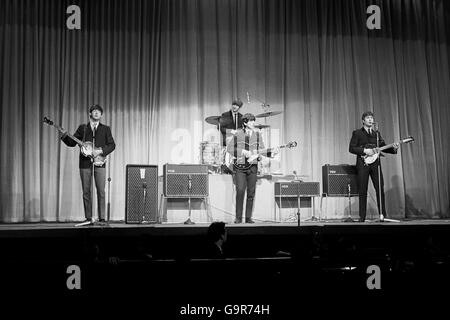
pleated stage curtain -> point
(159, 68)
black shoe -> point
(237, 220)
(361, 220)
(249, 220)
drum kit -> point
(213, 154)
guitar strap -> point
(235, 147)
(84, 132)
(247, 145)
(257, 141)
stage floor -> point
(303, 224)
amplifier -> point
(294, 188)
(337, 178)
(186, 180)
(141, 191)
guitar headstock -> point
(407, 140)
(48, 121)
(291, 144)
(51, 123)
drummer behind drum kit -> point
(213, 154)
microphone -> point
(375, 126)
(248, 98)
(189, 183)
(295, 176)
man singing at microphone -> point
(364, 142)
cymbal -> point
(261, 126)
(268, 114)
(213, 120)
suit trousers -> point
(245, 180)
(363, 182)
(86, 184)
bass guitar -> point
(86, 147)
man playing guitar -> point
(241, 147)
(104, 145)
(363, 143)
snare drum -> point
(209, 153)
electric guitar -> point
(371, 159)
(86, 147)
(233, 162)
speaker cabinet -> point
(186, 180)
(141, 194)
(292, 189)
(336, 180)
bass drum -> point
(210, 154)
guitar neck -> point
(267, 149)
(389, 146)
(78, 141)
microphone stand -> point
(298, 202)
(189, 221)
(349, 218)
(108, 213)
(297, 182)
(380, 207)
(144, 187)
(265, 106)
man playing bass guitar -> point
(104, 145)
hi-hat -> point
(268, 114)
(261, 126)
(213, 120)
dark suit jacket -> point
(227, 122)
(103, 139)
(255, 143)
(361, 139)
